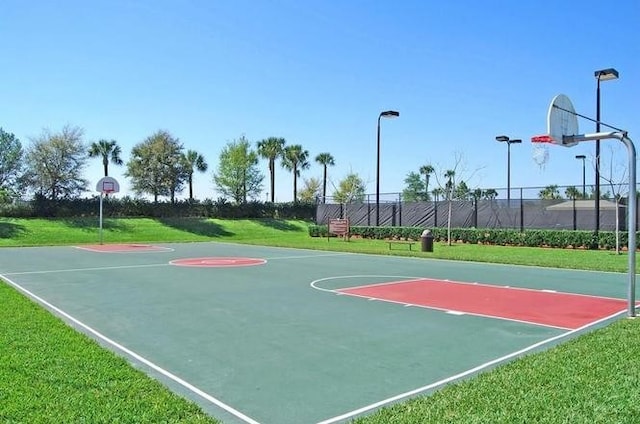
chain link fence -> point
(525, 209)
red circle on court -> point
(218, 262)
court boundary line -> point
(227, 408)
(433, 308)
(463, 374)
(100, 268)
(155, 249)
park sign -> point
(339, 227)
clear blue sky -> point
(318, 73)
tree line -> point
(52, 167)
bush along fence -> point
(565, 239)
(132, 207)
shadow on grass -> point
(278, 224)
(199, 226)
(9, 230)
(93, 223)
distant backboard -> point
(107, 185)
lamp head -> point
(502, 138)
(516, 141)
(389, 114)
(606, 74)
(581, 157)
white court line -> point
(102, 268)
(107, 268)
(153, 249)
(475, 283)
(449, 311)
(308, 256)
(460, 375)
(136, 356)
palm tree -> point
(550, 192)
(294, 159)
(449, 185)
(573, 193)
(271, 149)
(426, 170)
(193, 161)
(437, 192)
(325, 159)
(108, 150)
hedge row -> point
(530, 238)
(131, 207)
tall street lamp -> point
(505, 139)
(584, 191)
(385, 114)
(601, 75)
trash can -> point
(427, 241)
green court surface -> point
(275, 341)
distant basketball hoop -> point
(106, 186)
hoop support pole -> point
(631, 209)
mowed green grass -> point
(283, 233)
(49, 373)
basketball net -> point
(541, 150)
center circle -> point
(218, 262)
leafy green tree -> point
(294, 159)
(271, 149)
(11, 163)
(156, 166)
(350, 189)
(238, 176)
(108, 150)
(55, 164)
(193, 161)
(414, 188)
(325, 159)
(462, 191)
(311, 190)
(426, 170)
(550, 192)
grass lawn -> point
(49, 373)
(283, 233)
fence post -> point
(475, 211)
(521, 212)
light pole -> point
(601, 75)
(584, 191)
(385, 114)
(505, 139)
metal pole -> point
(508, 173)
(584, 189)
(631, 210)
(101, 195)
(631, 248)
(597, 193)
(378, 176)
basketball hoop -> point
(540, 145)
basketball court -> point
(282, 336)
